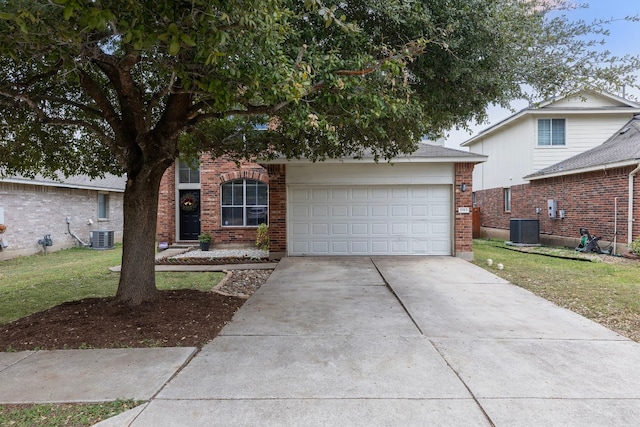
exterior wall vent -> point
(102, 239)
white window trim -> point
(506, 195)
(550, 147)
(106, 198)
(244, 205)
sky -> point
(624, 39)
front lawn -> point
(35, 283)
(606, 290)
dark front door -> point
(189, 204)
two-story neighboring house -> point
(532, 140)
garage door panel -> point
(358, 194)
(300, 211)
(400, 193)
(359, 247)
(399, 248)
(360, 211)
(419, 210)
(320, 194)
(419, 193)
(379, 210)
(379, 248)
(419, 228)
(399, 229)
(339, 194)
(399, 210)
(370, 220)
(439, 211)
(320, 230)
(379, 193)
(320, 211)
(379, 229)
(339, 210)
(320, 247)
(301, 195)
(360, 229)
(340, 229)
(301, 229)
(340, 248)
(300, 247)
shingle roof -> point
(108, 183)
(426, 152)
(622, 147)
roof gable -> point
(585, 101)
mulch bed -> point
(187, 318)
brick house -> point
(514, 182)
(414, 205)
(33, 208)
(597, 189)
(218, 197)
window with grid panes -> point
(244, 203)
(551, 132)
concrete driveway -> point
(401, 342)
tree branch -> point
(64, 101)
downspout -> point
(632, 174)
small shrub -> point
(204, 238)
(262, 238)
(635, 246)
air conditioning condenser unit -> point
(102, 239)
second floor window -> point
(187, 175)
(551, 132)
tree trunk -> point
(137, 277)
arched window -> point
(244, 203)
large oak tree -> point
(127, 86)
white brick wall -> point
(31, 211)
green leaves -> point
(331, 77)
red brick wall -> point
(463, 221)
(277, 208)
(491, 203)
(165, 231)
(588, 200)
(213, 173)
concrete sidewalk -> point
(357, 341)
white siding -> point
(587, 100)
(583, 132)
(512, 147)
(509, 156)
(369, 174)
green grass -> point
(35, 283)
(56, 415)
(606, 291)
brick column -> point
(166, 225)
(463, 221)
(277, 210)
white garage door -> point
(369, 220)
